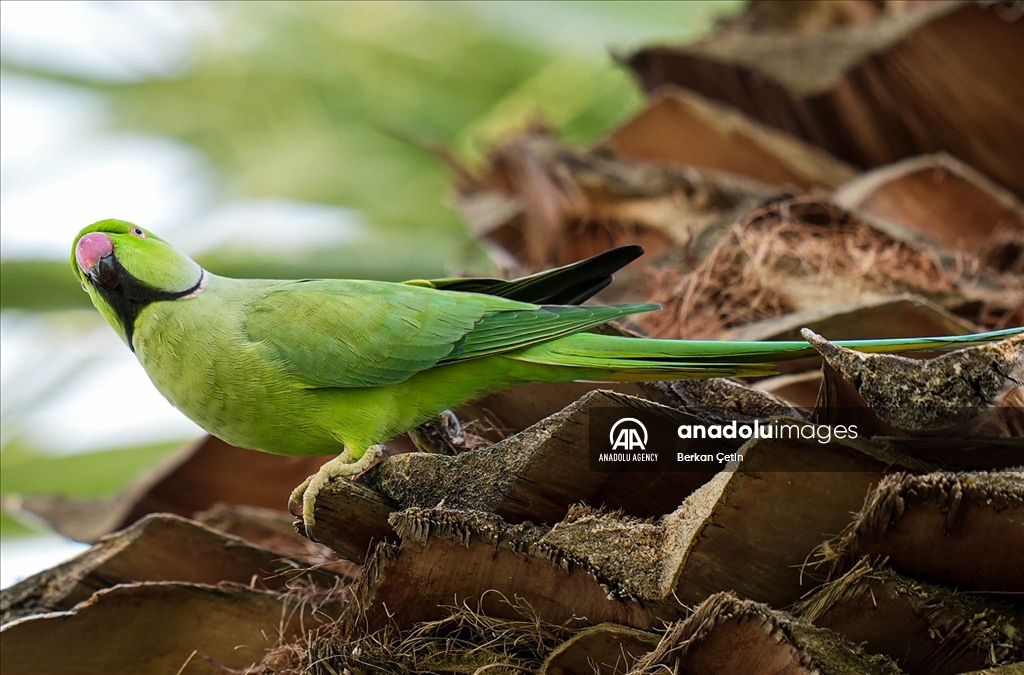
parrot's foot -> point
(303, 498)
(442, 435)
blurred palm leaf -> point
(39, 285)
(28, 471)
(342, 103)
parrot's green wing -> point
(568, 285)
(365, 333)
(507, 331)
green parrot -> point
(325, 366)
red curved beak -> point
(95, 256)
(92, 248)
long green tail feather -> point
(638, 358)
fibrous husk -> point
(470, 557)
(535, 475)
(607, 566)
(718, 400)
(605, 649)
(682, 128)
(155, 627)
(275, 531)
(512, 410)
(160, 547)
(351, 518)
(937, 78)
(976, 226)
(729, 635)
(464, 640)
(728, 539)
(805, 254)
(965, 530)
(550, 205)
(963, 410)
(927, 629)
(791, 255)
(969, 393)
(942, 200)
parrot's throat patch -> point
(128, 296)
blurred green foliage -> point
(346, 104)
(39, 285)
(26, 471)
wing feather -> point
(360, 333)
(334, 333)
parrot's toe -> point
(295, 498)
(302, 501)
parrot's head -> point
(124, 268)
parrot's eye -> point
(137, 232)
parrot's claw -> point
(303, 498)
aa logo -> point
(628, 434)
